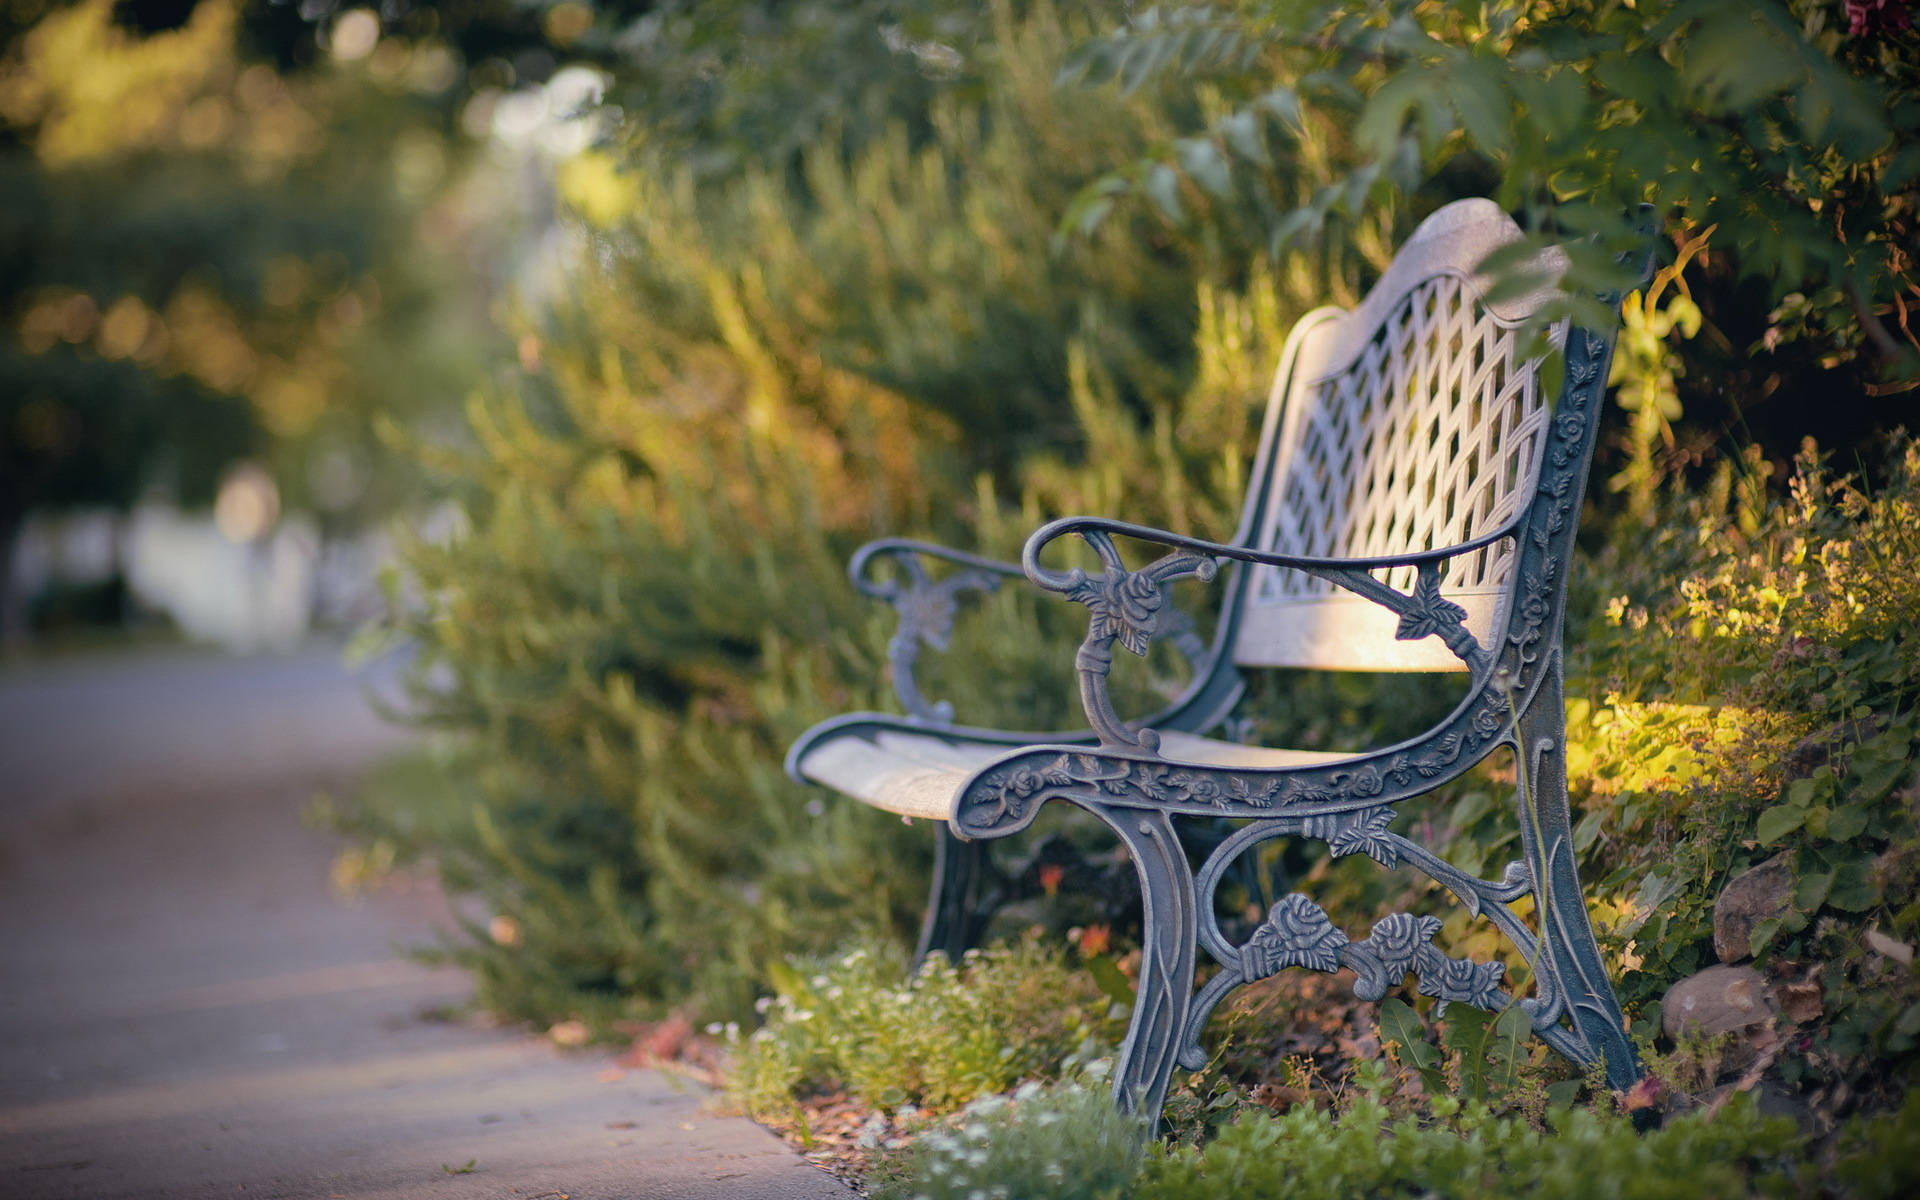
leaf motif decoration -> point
(1431, 612)
(1368, 836)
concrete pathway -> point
(187, 1009)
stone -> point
(1760, 892)
(1817, 750)
(1771, 1099)
(1718, 1001)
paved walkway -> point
(186, 1009)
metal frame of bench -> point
(1412, 507)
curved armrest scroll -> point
(925, 607)
(1126, 604)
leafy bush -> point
(1366, 1151)
(940, 1039)
(1753, 686)
(646, 600)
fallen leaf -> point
(1899, 952)
(1642, 1095)
(1800, 1003)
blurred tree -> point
(203, 257)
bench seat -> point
(923, 774)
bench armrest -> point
(925, 606)
(1126, 605)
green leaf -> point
(1205, 165)
(1399, 1024)
(1386, 112)
(1588, 830)
(1853, 887)
(1506, 1050)
(1777, 822)
(1816, 820)
(1561, 1095)
(1299, 224)
(1847, 822)
(1810, 892)
(1242, 133)
(1879, 776)
(1107, 977)
(1486, 109)
(1162, 186)
(1467, 1032)
(1284, 104)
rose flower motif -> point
(1397, 940)
(1462, 979)
(1534, 609)
(1296, 934)
(1024, 781)
(1204, 789)
(1486, 722)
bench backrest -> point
(1407, 423)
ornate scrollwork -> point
(1401, 945)
(1127, 607)
(1297, 933)
(1008, 795)
(926, 611)
(926, 608)
(1004, 797)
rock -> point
(1722, 1000)
(1756, 894)
(1771, 1099)
(1816, 751)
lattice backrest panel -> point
(1410, 423)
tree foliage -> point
(1777, 140)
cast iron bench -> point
(1412, 508)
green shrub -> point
(1070, 1142)
(1748, 691)
(1366, 1152)
(942, 1038)
(752, 374)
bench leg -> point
(1572, 957)
(1169, 940)
(957, 909)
